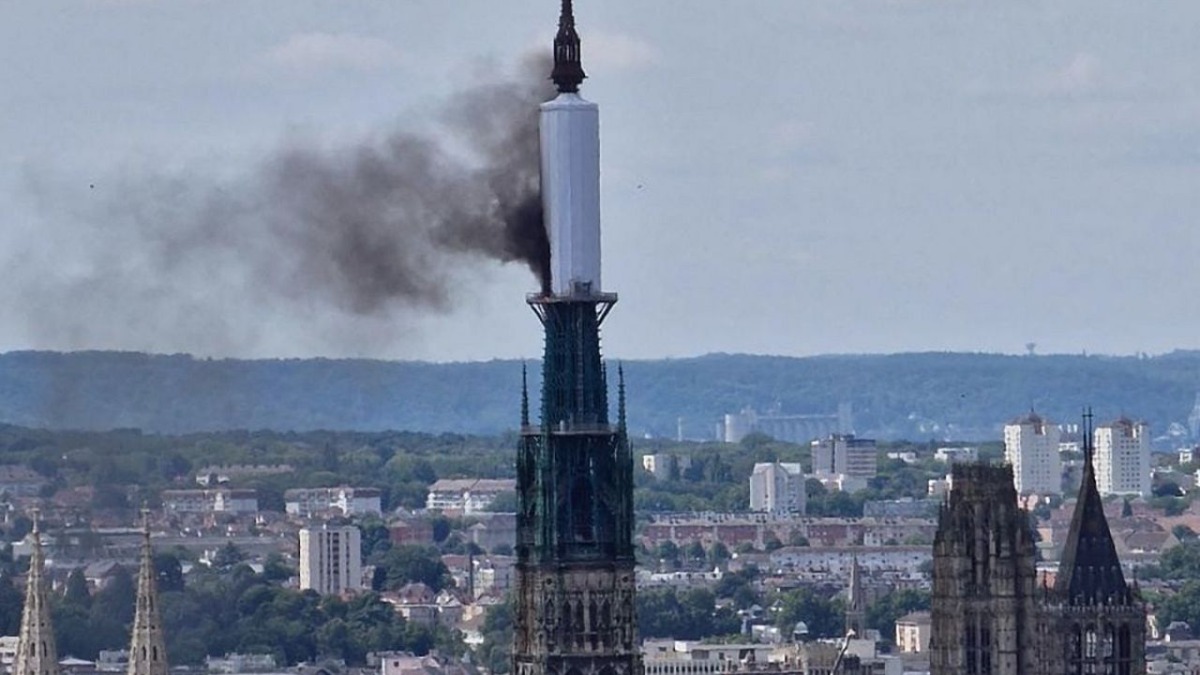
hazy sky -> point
(779, 176)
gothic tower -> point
(1093, 623)
(984, 609)
(575, 558)
(37, 653)
(856, 602)
(147, 649)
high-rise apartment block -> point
(778, 487)
(1123, 458)
(331, 559)
(1031, 448)
(845, 455)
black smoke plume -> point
(396, 223)
(384, 222)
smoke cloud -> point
(390, 225)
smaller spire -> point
(1088, 440)
(621, 396)
(37, 653)
(568, 65)
(524, 396)
(856, 607)
(147, 647)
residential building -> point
(665, 466)
(1123, 458)
(912, 633)
(1031, 448)
(956, 455)
(494, 530)
(331, 559)
(403, 531)
(18, 480)
(238, 664)
(219, 474)
(465, 496)
(777, 487)
(347, 501)
(220, 500)
(679, 657)
(845, 455)
(839, 562)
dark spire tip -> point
(568, 64)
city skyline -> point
(908, 176)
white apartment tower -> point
(843, 454)
(1123, 458)
(1031, 448)
(777, 487)
(331, 559)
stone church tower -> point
(989, 615)
(575, 587)
(1097, 621)
(147, 648)
(984, 610)
(37, 653)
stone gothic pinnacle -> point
(568, 64)
(37, 653)
(147, 648)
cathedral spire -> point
(568, 65)
(1089, 569)
(147, 648)
(37, 653)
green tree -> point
(116, 599)
(168, 572)
(376, 538)
(497, 638)
(882, 614)
(11, 604)
(76, 592)
(1183, 532)
(691, 615)
(822, 614)
(227, 557)
(667, 551)
(718, 553)
(410, 564)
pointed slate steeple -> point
(856, 602)
(147, 648)
(37, 653)
(1089, 572)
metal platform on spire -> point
(603, 301)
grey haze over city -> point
(778, 177)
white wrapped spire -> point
(570, 135)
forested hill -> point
(915, 396)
